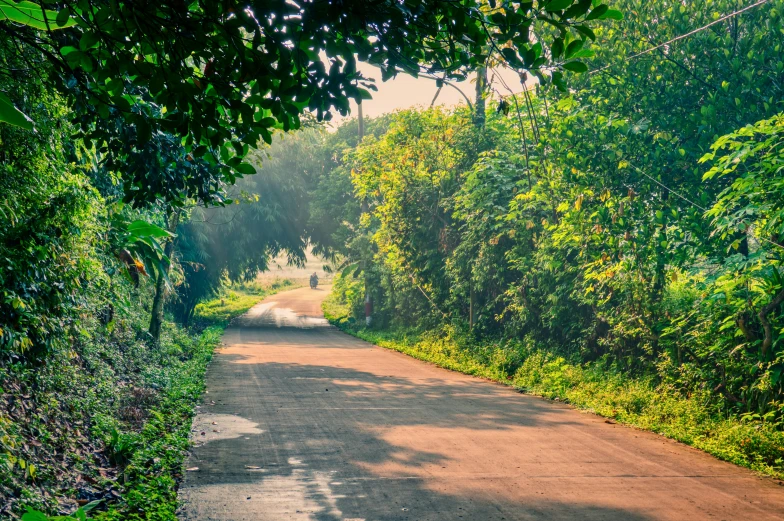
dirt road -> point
(302, 422)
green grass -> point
(236, 299)
(150, 458)
(596, 388)
(156, 463)
(157, 453)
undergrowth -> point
(595, 387)
(105, 433)
(154, 456)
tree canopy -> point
(221, 77)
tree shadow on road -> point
(339, 444)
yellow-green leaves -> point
(31, 15)
(10, 114)
(35, 16)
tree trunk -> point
(767, 327)
(361, 122)
(364, 208)
(156, 320)
(479, 107)
(471, 307)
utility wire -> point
(640, 171)
(655, 48)
(690, 33)
(668, 42)
(426, 295)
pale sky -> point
(405, 91)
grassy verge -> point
(155, 467)
(155, 455)
(596, 388)
(138, 432)
(236, 299)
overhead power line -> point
(664, 44)
(690, 33)
(655, 48)
(640, 171)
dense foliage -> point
(617, 241)
(121, 124)
(611, 224)
(92, 407)
(220, 77)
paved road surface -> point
(302, 422)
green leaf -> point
(246, 169)
(583, 53)
(62, 18)
(578, 9)
(557, 48)
(34, 515)
(13, 116)
(597, 12)
(585, 31)
(92, 504)
(364, 93)
(558, 5)
(88, 41)
(265, 135)
(612, 14)
(573, 48)
(31, 15)
(558, 81)
(578, 67)
(142, 229)
(346, 269)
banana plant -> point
(139, 247)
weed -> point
(121, 446)
(79, 515)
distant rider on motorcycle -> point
(313, 281)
